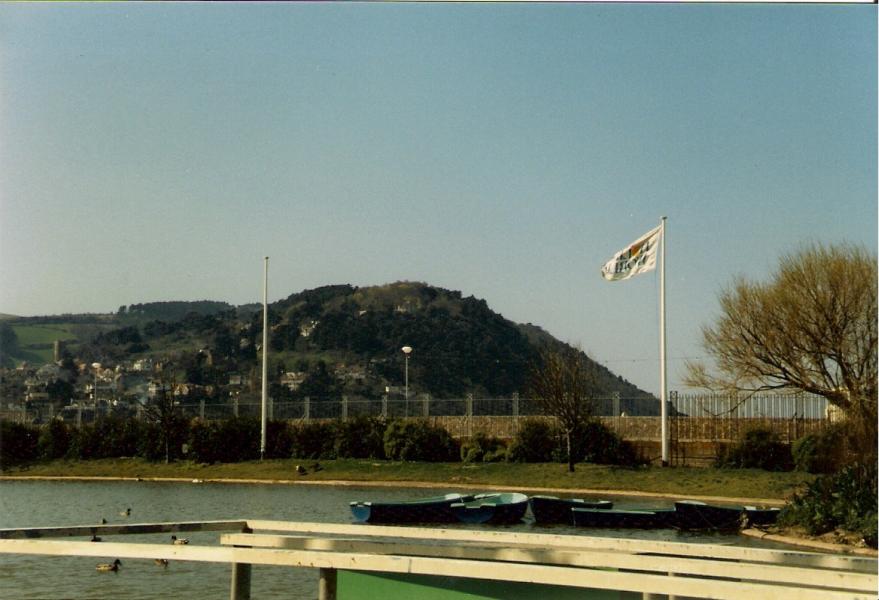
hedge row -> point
(235, 440)
(825, 451)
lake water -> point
(49, 503)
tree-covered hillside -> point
(334, 340)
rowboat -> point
(692, 514)
(550, 509)
(426, 510)
(497, 509)
(624, 519)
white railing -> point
(578, 561)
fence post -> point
(326, 586)
(78, 416)
(797, 414)
(425, 404)
(201, 409)
(270, 408)
(241, 575)
(385, 406)
(344, 408)
(515, 411)
(306, 408)
(468, 403)
(235, 406)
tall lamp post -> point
(265, 362)
(95, 366)
(407, 350)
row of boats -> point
(509, 508)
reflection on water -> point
(50, 503)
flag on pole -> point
(639, 257)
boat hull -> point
(494, 509)
(428, 510)
(694, 515)
(624, 519)
(551, 510)
(761, 516)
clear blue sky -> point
(158, 151)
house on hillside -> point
(293, 379)
(350, 373)
(306, 329)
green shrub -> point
(360, 437)
(84, 443)
(18, 444)
(151, 444)
(535, 441)
(759, 448)
(279, 439)
(111, 437)
(597, 443)
(202, 438)
(847, 500)
(482, 447)
(238, 439)
(54, 440)
(501, 454)
(820, 452)
(539, 441)
(314, 440)
(418, 440)
(227, 441)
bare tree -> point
(165, 413)
(812, 327)
(564, 385)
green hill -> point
(342, 338)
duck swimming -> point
(113, 566)
(125, 513)
(162, 562)
(179, 541)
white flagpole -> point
(663, 383)
(265, 353)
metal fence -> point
(775, 406)
(681, 407)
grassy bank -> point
(736, 483)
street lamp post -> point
(95, 366)
(265, 362)
(406, 350)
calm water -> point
(45, 504)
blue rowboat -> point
(550, 509)
(497, 509)
(624, 519)
(436, 509)
(692, 514)
(761, 516)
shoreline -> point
(802, 542)
(403, 483)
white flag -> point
(637, 258)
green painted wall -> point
(386, 586)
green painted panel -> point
(354, 585)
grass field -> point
(42, 334)
(679, 481)
(35, 341)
